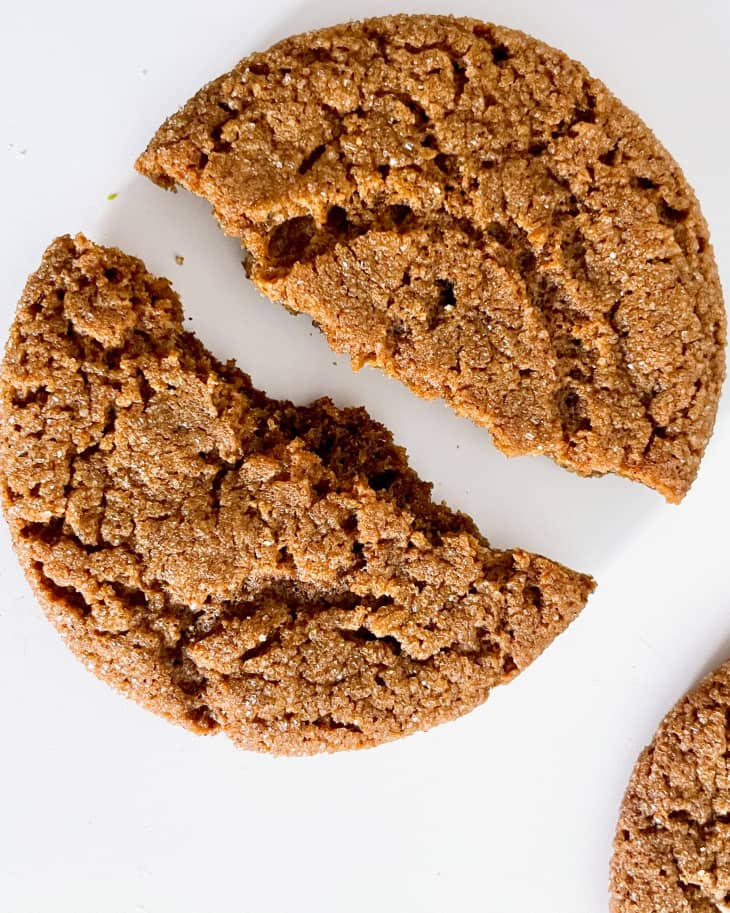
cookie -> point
(237, 563)
(466, 208)
(672, 847)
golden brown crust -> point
(238, 563)
(468, 209)
(671, 852)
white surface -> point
(103, 807)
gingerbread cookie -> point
(237, 563)
(672, 847)
(468, 209)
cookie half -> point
(672, 847)
(238, 563)
(468, 209)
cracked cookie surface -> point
(238, 563)
(672, 846)
(466, 208)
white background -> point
(106, 809)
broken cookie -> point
(237, 563)
(469, 210)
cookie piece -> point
(238, 563)
(672, 847)
(466, 208)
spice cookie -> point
(238, 563)
(672, 847)
(468, 209)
